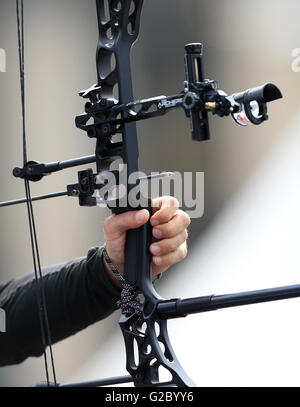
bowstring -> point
(40, 293)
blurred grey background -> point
(246, 44)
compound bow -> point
(144, 326)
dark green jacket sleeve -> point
(78, 294)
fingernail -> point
(157, 233)
(155, 249)
(155, 222)
(157, 260)
(140, 216)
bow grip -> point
(137, 255)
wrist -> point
(110, 273)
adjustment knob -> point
(194, 48)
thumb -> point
(116, 225)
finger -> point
(175, 226)
(166, 246)
(116, 225)
(171, 258)
(164, 209)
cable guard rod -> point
(35, 171)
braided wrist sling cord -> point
(129, 303)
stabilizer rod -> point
(177, 308)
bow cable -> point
(41, 300)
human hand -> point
(169, 235)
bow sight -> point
(198, 97)
(148, 347)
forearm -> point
(78, 294)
